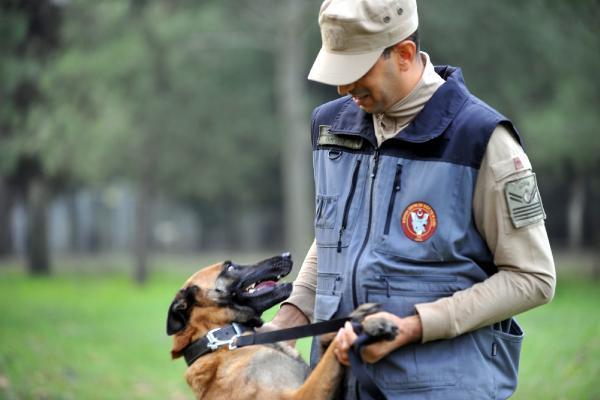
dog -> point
(226, 292)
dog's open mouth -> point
(259, 286)
(256, 288)
(265, 276)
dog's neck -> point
(200, 323)
(204, 320)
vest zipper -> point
(366, 240)
(395, 190)
(348, 204)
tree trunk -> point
(38, 258)
(148, 154)
(74, 224)
(295, 152)
(575, 212)
(6, 202)
(142, 228)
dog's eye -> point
(229, 266)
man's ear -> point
(180, 309)
(406, 52)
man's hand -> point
(409, 331)
(288, 316)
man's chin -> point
(370, 108)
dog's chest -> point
(276, 369)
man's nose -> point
(345, 89)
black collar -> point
(231, 336)
(213, 340)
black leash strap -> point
(291, 333)
(359, 367)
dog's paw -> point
(380, 328)
(363, 310)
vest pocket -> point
(325, 214)
(393, 195)
(414, 366)
(328, 295)
(505, 352)
(335, 214)
(348, 204)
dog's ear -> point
(180, 309)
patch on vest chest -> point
(524, 201)
(419, 221)
(327, 138)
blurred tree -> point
(280, 27)
(30, 34)
(138, 93)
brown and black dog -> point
(227, 292)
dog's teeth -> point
(251, 291)
(278, 276)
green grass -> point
(99, 336)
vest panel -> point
(394, 225)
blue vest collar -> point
(430, 123)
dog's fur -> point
(216, 296)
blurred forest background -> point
(172, 126)
(137, 132)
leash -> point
(231, 336)
(297, 332)
(359, 368)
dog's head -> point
(223, 293)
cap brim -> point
(341, 69)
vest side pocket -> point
(328, 295)
(325, 214)
(505, 353)
(325, 306)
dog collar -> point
(213, 340)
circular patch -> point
(419, 221)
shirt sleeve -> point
(526, 275)
(305, 285)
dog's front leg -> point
(323, 381)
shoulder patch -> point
(524, 201)
(327, 138)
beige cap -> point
(355, 33)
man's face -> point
(377, 90)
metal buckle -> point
(214, 343)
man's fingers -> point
(349, 334)
(341, 348)
(341, 357)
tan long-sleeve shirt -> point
(526, 273)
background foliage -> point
(163, 128)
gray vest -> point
(394, 226)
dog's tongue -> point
(265, 285)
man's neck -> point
(401, 113)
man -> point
(426, 204)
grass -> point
(99, 336)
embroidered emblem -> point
(524, 201)
(419, 221)
(327, 138)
